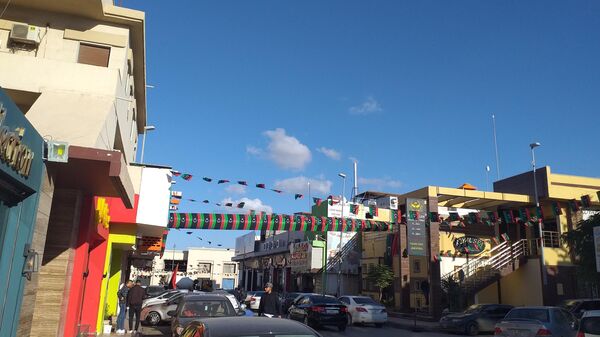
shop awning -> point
(98, 172)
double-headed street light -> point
(339, 278)
(146, 129)
(532, 146)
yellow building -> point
(501, 261)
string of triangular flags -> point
(166, 233)
(176, 198)
(188, 177)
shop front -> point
(21, 170)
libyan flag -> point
(373, 210)
(354, 209)
(317, 201)
(298, 196)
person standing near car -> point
(122, 297)
(269, 303)
(135, 297)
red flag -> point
(317, 201)
(260, 185)
(174, 277)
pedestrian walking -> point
(270, 305)
(135, 297)
(122, 296)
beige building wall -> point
(85, 105)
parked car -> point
(162, 298)
(288, 300)
(156, 313)
(247, 326)
(234, 302)
(590, 324)
(154, 291)
(579, 306)
(363, 309)
(253, 299)
(318, 310)
(537, 321)
(200, 306)
(477, 318)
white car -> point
(363, 309)
(162, 298)
(590, 324)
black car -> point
(288, 299)
(153, 291)
(318, 310)
(477, 318)
(579, 306)
(247, 326)
(200, 307)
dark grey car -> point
(537, 321)
(477, 318)
(249, 326)
(202, 306)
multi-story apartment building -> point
(76, 70)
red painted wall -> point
(119, 213)
(90, 253)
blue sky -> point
(263, 91)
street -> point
(353, 331)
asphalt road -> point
(353, 331)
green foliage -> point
(454, 294)
(382, 276)
(581, 244)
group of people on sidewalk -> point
(130, 297)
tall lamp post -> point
(537, 205)
(146, 129)
(339, 278)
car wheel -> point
(342, 327)
(153, 318)
(472, 329)
(379, 325)
(349, 319)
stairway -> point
(332, 263)
(483, 271)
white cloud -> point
(380, 183)
(236, 189)
(253, 150)
(284, 150)
(369, 106)
(250, 205)
(300, 185)
(330, 153)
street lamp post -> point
(339, 278)
(537, 205)
(146, 129)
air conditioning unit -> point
(25, 33)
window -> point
(206, 309)
(591, 325)
(93, 55)
(534, 314)
(345, 300)
(229, 268)
(204, 268)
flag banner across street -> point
(273, 222)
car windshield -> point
(473, 309)
(324, 300)
(591, 325)
(214, 308)
(534, 314)
(365, 300)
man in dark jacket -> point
(135, 297)
(122, 296)
(269, 303)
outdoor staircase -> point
(481, 272)
(332, 263)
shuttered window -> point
(94, 55)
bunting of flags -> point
(298, 196)
(272, 222)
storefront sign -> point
(13, 152)
(300, 257)
(267, 262)
(416, 213)
(469, 245)
(102, 217)
(280, 260)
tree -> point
(454, 294)
(581, 244)
(382, 276)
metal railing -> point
(501, 256)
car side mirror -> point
(172, 313)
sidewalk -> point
(407, 322)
